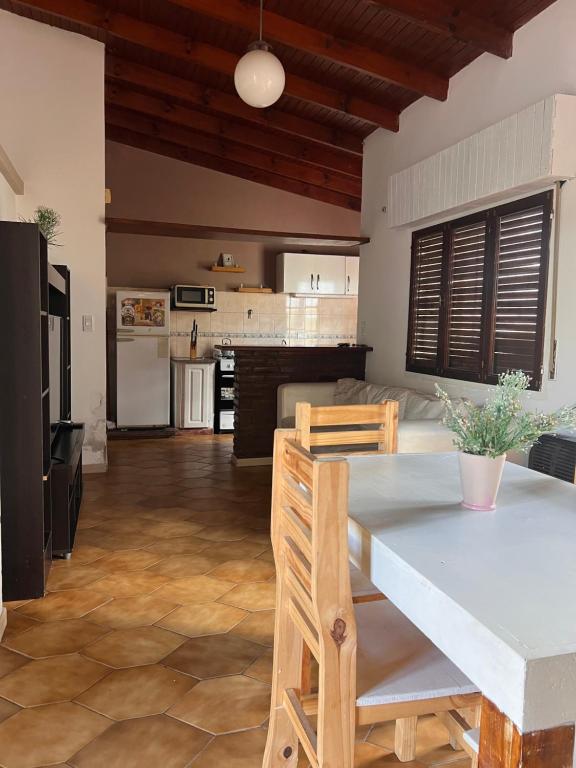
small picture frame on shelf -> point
(227, 260)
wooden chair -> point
(374, 665)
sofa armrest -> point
(316, 393)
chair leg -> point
(405, 739)
(282, 741)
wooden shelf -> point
(278, 240)
(254, 290)
(216, 268)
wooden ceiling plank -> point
(214, 145)
(233, 234)
(307, 152)
(450, 20)
(181, 47)
(229, 104)
(231, 168)
(315, 41)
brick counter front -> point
(259, 371)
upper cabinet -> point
(317, 274)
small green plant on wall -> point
(49, 222)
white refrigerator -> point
(142, 359)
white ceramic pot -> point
(480, 477)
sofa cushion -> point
(354, 392)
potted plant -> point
(483, 434)
(48, 221)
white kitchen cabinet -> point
(193, 394)
(311, 274)
(352, 275)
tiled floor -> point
(153, 647)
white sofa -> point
(419, 429)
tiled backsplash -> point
(266, 319)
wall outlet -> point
(88, 323)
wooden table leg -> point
(503, 746)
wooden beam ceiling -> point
(168, 86)
(380, 64)
(179, 46)
(315, 154)
(213, 145)
(450, 19)
(230, 167)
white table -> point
(495, 591)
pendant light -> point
(259, 76)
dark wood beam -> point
(232, 168)
(315, 154)
(230, 150)
(179, 46)
(233, 234)
(229, 104)
(451, 20)
(284, 30)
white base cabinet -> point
(314, 274)
(192, 394)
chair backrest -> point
(381, 417)
(310, 539)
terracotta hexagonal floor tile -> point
(74, 577)
(137, 692)
(56, 637)
(183, 545)
(17, 623)
(148, 742)
(184, 566)
(130, 584)
(196, 589)
(128, 560)
(215, 655)
(69, 604)
(257, 627)
(225, 704)
(51, 742)
(7, 709)
(127, 612)
(262, 668)
(172, 529)
(234, 750)
(240, 571)
(47, 681)
(198, 620)
(9, 661)
(82, 555)
(259, 596)
(235, 550)
(113, 540)
(224, 533)
(134, 647)
(166, 514)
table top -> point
(496, 591)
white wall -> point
(52, 128)
(490, 89)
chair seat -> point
(362, 587)
(397, 663)
(472, 738)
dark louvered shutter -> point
(464, 345)
(522, 245)
(425, 304)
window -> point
(478, 293)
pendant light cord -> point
(261, 13)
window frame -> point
(492, 217)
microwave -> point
(194, 297)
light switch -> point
(88, 323)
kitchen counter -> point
(259, 371)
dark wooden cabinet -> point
(66, 487)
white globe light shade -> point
(259, 78)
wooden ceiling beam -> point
(230, 167)
(294, 34)
(179, 46)
(229, 104)
(451, 20)
(202, 122)
(229, 150)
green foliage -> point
(48, 221)
(501, 424)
